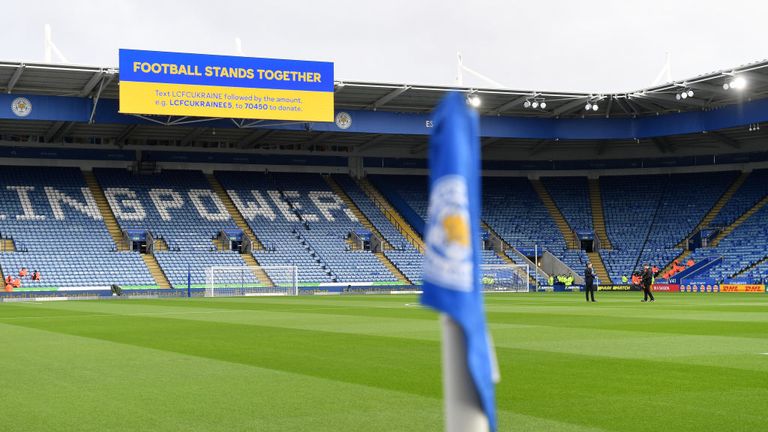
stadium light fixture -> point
(474, 100)
(690, 93)
(535, 103)
(595, 107)
(737, 83)
(588, 106)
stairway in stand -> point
(7, 245)
(354, 209)
(715, 210)
(393, 268)
(154, 269)
(365, 222)
(106, 211)
(599, 266)
(746, 269)
(729, 229)
(241, 223)
(234, 212)
(117, 233)
(598, 218)
(389, 211)
(568, 235)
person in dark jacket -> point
(589, 282)
(647, 281)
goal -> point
(504, 278)
(234, 281)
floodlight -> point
(543, 105)
(594, 107)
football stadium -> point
(202, 241)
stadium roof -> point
(708, 89)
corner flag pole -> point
(452, 268)
(463, 411)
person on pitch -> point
(646, 281)
(589, 282)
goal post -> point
(237, 281)
(505, 278)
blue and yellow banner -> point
(201, 85)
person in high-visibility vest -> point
(624, 279)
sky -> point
(553, 45)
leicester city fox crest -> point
(449, 248)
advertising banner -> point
(743, 288)
(618, 288)
(201, 85)
(699, 286)
(665, 287)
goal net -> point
(504, 278)
(233, 281)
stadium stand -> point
(180, 209)
(679, 212)
(571, 194)
(629, 204)
(52, 219)
(307, 227)
(751, 191)
(513, 209)
(744, 247)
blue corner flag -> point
(452, 256)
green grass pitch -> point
(689, 362)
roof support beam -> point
(648, 105)
(419, 148)
(249, 140)
(125, 134)
(622, 103)
(570, 106)
(663, 144)
(670, 98)
(15, 77)
(91, 84)
(194, 133)
(388, 97)
(725, 139)
(489, 141)
(52, 130)
(370, 143)
(57, 132)
(709, 88)
(514, 102)
(539, 146)
(318, 139)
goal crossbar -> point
(233, 281)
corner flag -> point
(452, 266)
